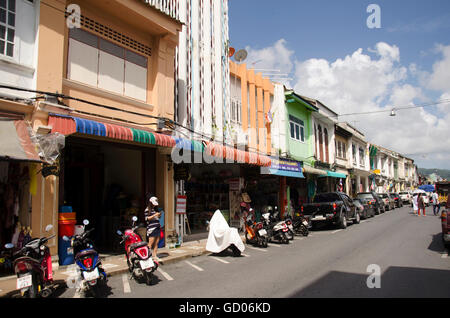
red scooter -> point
(33, 266)
(138, 254)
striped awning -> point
(68, 125)
(237, 155)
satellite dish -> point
(240, 55)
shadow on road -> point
(436, 244)
(395, 282)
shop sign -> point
(181, 204)
(286, 165)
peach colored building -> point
(256, 99)
(115, 70)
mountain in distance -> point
(443, 173)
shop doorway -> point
(106, 183)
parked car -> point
(373, 199)
(445, 221)
(331, 207)
(388, 201)
(365, 208)
(398, 202)
(405, 196)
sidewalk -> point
(114, 265)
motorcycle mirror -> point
(119, 232)
(65, 238)
(48, 228)
(134, 218)
(9, 245)
(86, 222)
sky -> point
(330, 53)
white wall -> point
(20, 70)
(201, 71)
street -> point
(328, 263)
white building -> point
(19, 20)
(203, 76)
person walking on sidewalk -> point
(153, 226)
(421, 204)
(436, 206)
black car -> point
(374, 200)
(398, 201)
(366, 209)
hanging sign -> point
(181, 204)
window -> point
(7, 27)
(341, 150)
(325, 137)
(354, 154)
(320, 143)
(297, 128)
(103, 64)
(362, 158)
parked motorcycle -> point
(255, 233)
(33, 266)
(138, 254)
(92, 274)
(300, 224)
(277, 230)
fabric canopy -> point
(69, 125)
(335, 175)
(16, 142)
(309, 169)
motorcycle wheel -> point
(285, 239)
(304, 230)
(33, 291)
(290, 235)
(148, 278)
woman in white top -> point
(415, 204)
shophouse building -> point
(103, 77)
(19, 160)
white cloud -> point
(360, 82)
(276, 58)
(375, 81)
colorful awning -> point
(69, 125)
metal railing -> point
(168, 7)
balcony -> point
(167, 7)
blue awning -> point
(284, 173)
(334, 175)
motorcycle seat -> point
(137, 245)
(85, 253)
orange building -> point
(256, 98)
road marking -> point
(336, 231)
(220, 260)
(166, 276)
(126, 284)
(445, 255)
(257, 249)
(246, 255)
(195, 266)
(77, 293)
(269, 244)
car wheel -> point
(357, 219)
(343, 222)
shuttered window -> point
(106, 65)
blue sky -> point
(317, 42)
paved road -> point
(329, 263)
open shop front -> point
(106, 183)
(19, 166)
